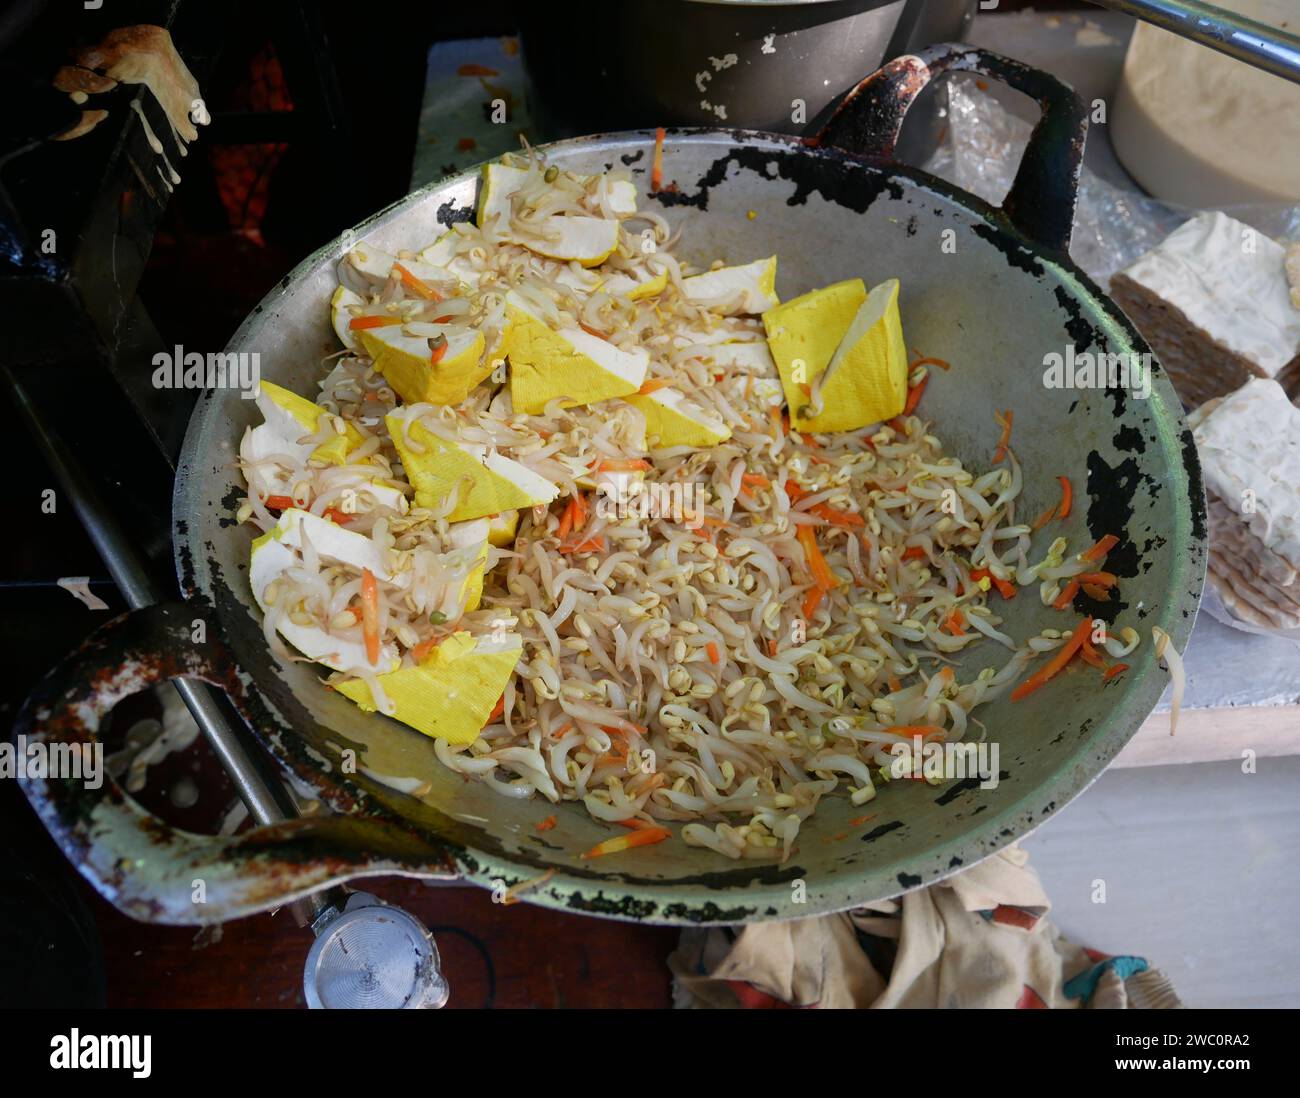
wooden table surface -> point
(492, 955)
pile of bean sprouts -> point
(667, 672)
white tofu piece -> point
(1214, 303)
(1249, 445)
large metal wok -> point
(990, 290)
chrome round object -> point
(372, 956)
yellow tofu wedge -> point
(569, 363)
(750, 288)
(440, 254)
(486, 483)
(741, 358)
(407, 363)
(589, 240)
(341, 317)
(635, 289)
(866, 381)
(281, 548)
(500, 181)
(804, 334)
(370, 261)
(451, 695)
(672, 420)
(502, 528)
(469, 540)
(290, 416)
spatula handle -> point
(142, 865)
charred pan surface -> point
(147, 868)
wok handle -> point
(146, 868)
(1041, 202)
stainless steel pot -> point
(990, 290)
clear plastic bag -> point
(1113, 226)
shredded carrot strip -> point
(633, 823)
(914, 729)
(956, 624)
(1096, 591)
(1101, 579)
(566, 520)
(1113, 670)
(281, 503)
(364, 322)
(771, 646)
(657, 164)
(813, 599)
(1098, 551)
(547, 824)
(498, 709)
(794, 491)
(712, 649)
(1066, 597)
(626, 465)
(1062, 656)
(592, 331)
(422, 650)
(858, 821)
(370, 614)
(837, 517)
(1090, 655)
(894, 684)
(654, 385)
(1006, 588)
(1046, 517)
(591, 545)
(417, 284)
(436, 354)
(821, 571)
(914, 552)
(1067, 497)
(931, 362)
(756, 480)
(1003, 418)
(914, 395)
(618, 843)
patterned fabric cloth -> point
(978, 939)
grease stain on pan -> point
(883, 829)
(449, 213)
(622, 907)
(846, 183)
(1192, 463)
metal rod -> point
(1255, 43)
(261, 791)
(267, 799)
